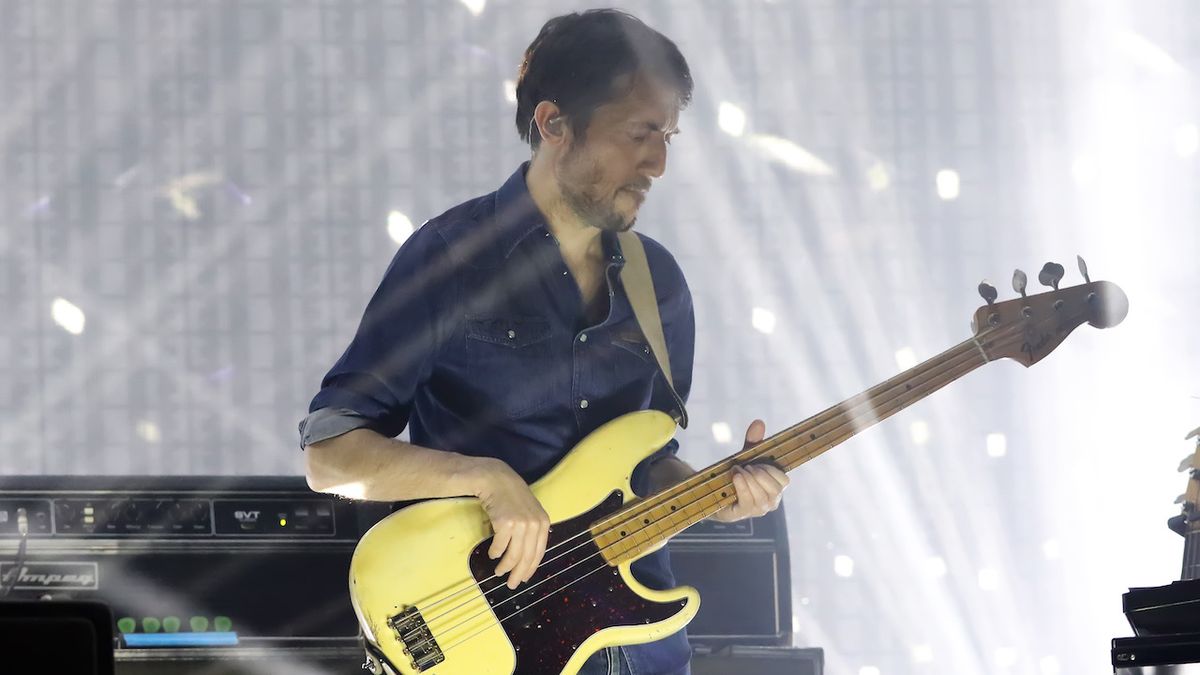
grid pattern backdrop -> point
(195, 199)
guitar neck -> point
(646, 524)
(1191, 556)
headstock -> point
(1028, 328)
(1189, 520)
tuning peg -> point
(1083, 268)
(1051, 274)
(1181, 498)
(1186, 463)
(987, 291)
(1193, 433)
(1020, 282)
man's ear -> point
(552, 124)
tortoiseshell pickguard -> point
(573, 594)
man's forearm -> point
(363, 464)
(668, 471)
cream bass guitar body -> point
(422, 583)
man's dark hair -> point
(576, 59)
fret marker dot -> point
(672, 508)
(646, 521)
(724, 494)
(622, 533)
(812, 437)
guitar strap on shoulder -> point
(639, 288)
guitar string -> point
(776, 441)
(938, 369)
(799, 447)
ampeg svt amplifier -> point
(742, 572)
(189, 562)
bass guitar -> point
(422, 584)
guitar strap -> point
(639, 288)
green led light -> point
(222, 624)
(151, 624)
(171, 624)
(126, 624)
(199, 624)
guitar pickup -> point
(423, 651)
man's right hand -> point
(520, 523)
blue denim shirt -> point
(476, 340)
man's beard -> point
(594, 211)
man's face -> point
(604, 178)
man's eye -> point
(638, 139)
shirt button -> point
(583, 403)
(512, 334)
(564, 273)
(583, 338)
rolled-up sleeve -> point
(393, 351)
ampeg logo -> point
(247, 517)
(43, 575)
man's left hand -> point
(759, 487)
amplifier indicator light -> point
(180, 640)
(151, 624)
(126, 624)
(199, 624)
(222, 624)
(171, 624)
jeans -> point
(614, 661)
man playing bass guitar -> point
(501, 334)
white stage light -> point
(1049, 665)
(997, 445)
(1051, 549)
(868, 670)
(475, 7)
(721, 432)
(843, 566)
(149, 431)
(69, 317)
(510, 91)
(1187, 140)
(731, 119)
(922, 654)
(1084, 171)
(947, 184)
(906, 358)
(919, 431)
(790, 154)
(1006, 657)
(399, 227)
(878, 178)
(989, 579)
(763, 320)
(935, 566)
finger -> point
(512, 555)
(779, 476)
(769, 485)
(757, 499)
(500, 540)
(744, 505)
(765, 480)
(755, 432)
(528, 563)
(543, 538)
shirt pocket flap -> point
(509, 332)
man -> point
(501, 335)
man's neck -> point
(579, 242)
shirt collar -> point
(517, 217)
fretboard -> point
(1191, 556)
(646, 524)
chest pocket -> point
(512, 359)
